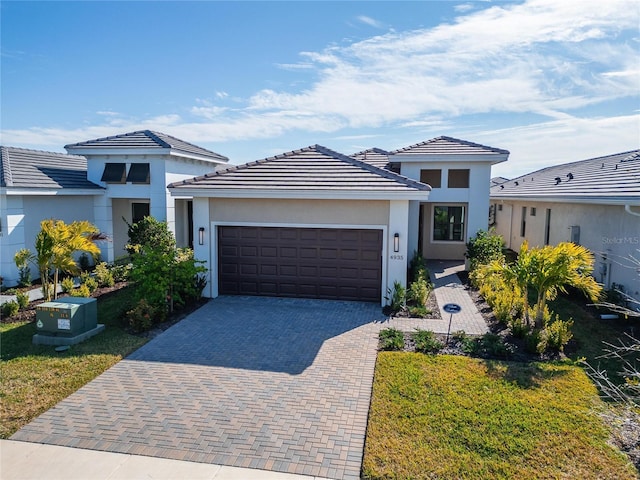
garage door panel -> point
(300, 262)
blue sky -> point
(551, 81)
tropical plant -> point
(150, 232)
(55, 245)
(22, 258)
(396, 298)
(23, 299)
(426, 341)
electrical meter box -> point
(67, 317)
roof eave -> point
(492, 158)
(47, 191)
(582, 199)
(298, 193)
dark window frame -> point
(428, 175)
(458, 177)
(139, 173)
(449, 227)
(114, 173)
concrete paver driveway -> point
(268, 383)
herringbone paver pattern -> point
(267, 383)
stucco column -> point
(103, 219)
(397, 261)
(204, 252)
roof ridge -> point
(64, 154)
(372, 149)
(154, 136)
(453, 140)
(372, 168)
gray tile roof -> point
(448, 146)
(147, 139)
(308, 169)
(374, 156)
(24, 168)
(498, 180)
(599, 179)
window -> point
(114, 173)
(500, 207)
(138, 173)
(448, 223)
(547, 224)
(533, 211)
(523, 222)
(139, 211)
(432, 178)
(458, 178)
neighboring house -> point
(316, 223)
(594, 203)
(108, 181)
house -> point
(108, 181)
(310, 223)
(594, 203)
(316, 223)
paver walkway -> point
(448, 289)
(267, 383)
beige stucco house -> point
(316, 223)
(594, 202)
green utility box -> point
(67, 317)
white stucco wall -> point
(475, 199)
(22, 219)
(607, 230)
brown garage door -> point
(342, 264)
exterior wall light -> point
(201, 235)
(396, 242)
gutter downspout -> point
(627, 208)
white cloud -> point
(543, 57)
(370, 21)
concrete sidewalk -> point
(36, 461)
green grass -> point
(457, 417)
(35, 377)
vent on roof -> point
(570, 176)
(516, 183)
(558, 180)
(501, 187)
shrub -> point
(81, 291)
(418, 267)
(519, 327)
(150, 232)
(23, 299)
(419, 312)
(142, 317)
(120, 273)
(103, 275)
(22, 259)
(391, 339)
(419, 292)
(67, 284)
(397, 297)
(91, 283)
(535, 342)
(10, 308)
(426, 341)
(558, 333)
(484, 248)
(490, 345)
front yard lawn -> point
(35, 377)
(458, 417)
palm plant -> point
(553, 268)
(56, 242)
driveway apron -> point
(267, 383)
